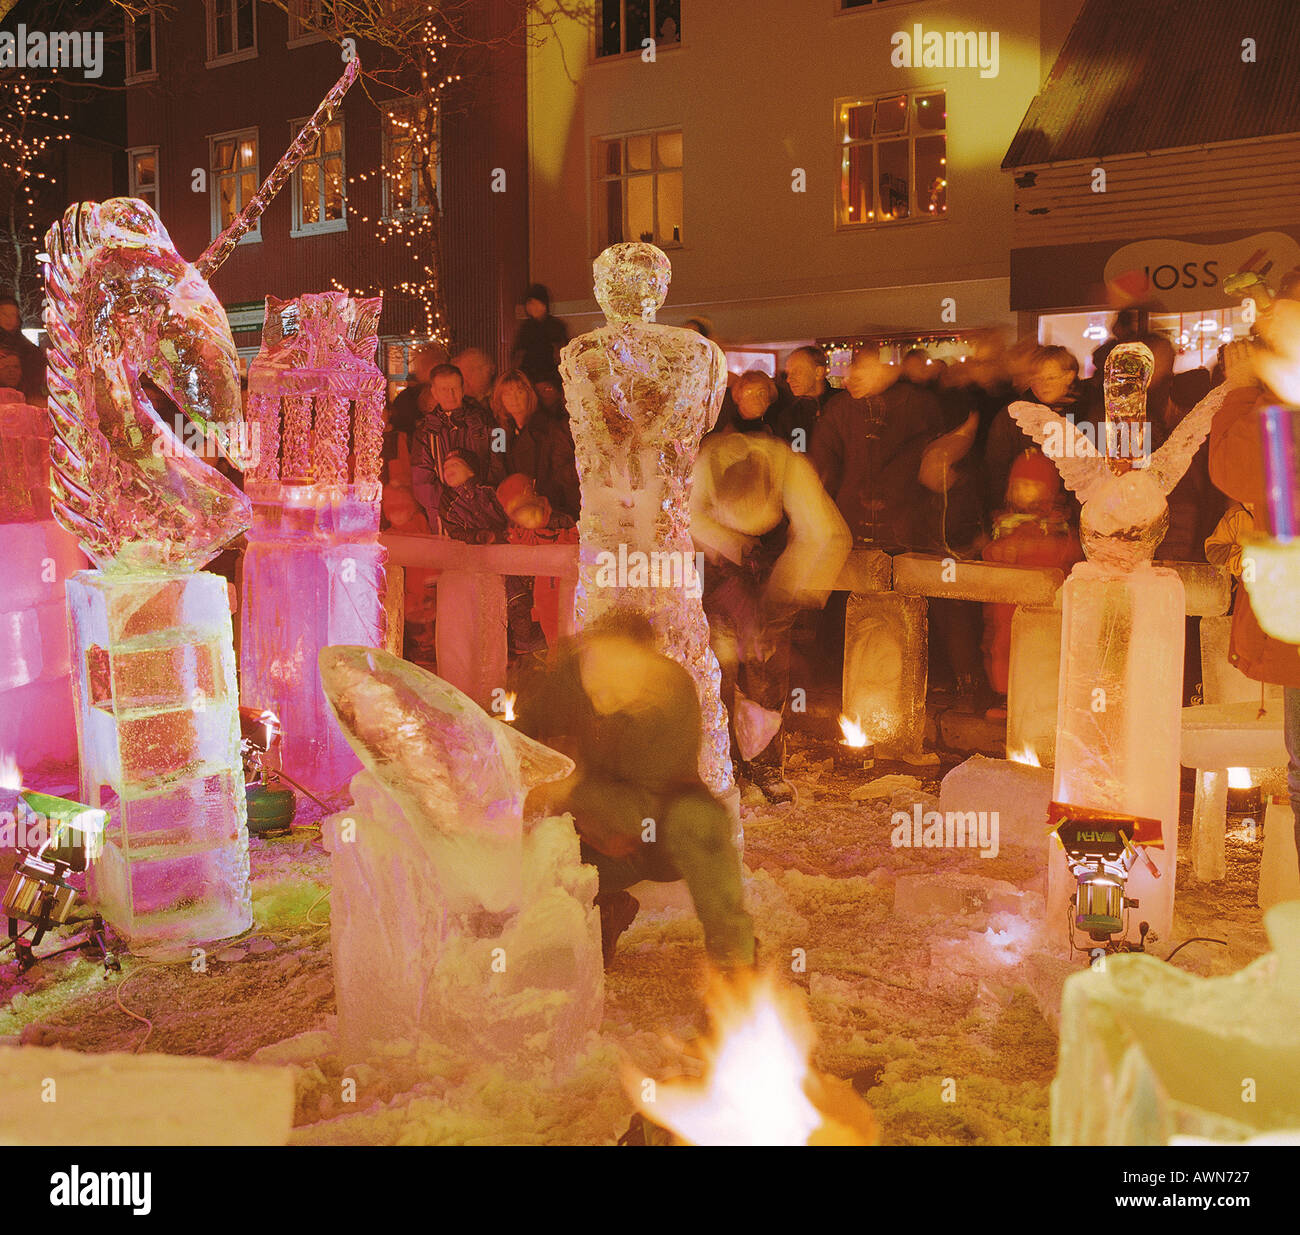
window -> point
(234, 179)
(232, 30)
(141, 48)
(409, 143)
(318, 193)
(143, 165)
(639, 189)
(625, 25)
(310, 21)
(893, 158)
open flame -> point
(508, 710)
(1239, 778)
(854, 733)
(758, 1087)
(11, 776)
(1026, 755)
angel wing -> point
(1082, 469)
(1171, 461)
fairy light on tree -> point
(30, 128)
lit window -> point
(143, 163)
(234, 179)
(141, 47)
(410, 152)
(638, 191)
(893, 158)
(232, 29)
(628, 25)
(318, 192)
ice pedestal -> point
(1118, 725)
(454, 920)
(885, 669)
(1279, 869)
(36, 721)
(472, 604)
(1222, 681)
(158, 725)
(1149, 1051)
(313, 576)
(1033, 687)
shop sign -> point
(1180, 276)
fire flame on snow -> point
(11, 776)
(854, 733)
(1239, 778)
(508, 710)
(758, 1087)
(1025, 755)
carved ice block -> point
(470, 635)
(1118, 724)
(1222, 680)
(1033, 688)
(1208, 588)
(313, 576)
(866, 570)
(158, 725)
(1020, 795)
(885, 668)
(1149, 1051)
(1209, 823)
(923, 574)
(1279, 869)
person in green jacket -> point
(629, 717)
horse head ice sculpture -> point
(124, 307)
(1125, 515)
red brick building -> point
(217, 89)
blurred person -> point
(774, 543)
(451, 424)
(918, 368)
(30, 357)
(478, 371)
(867, 449)
(800, 407)
(11, 369)
(1054, 382)
(537, 342)
(1259, 375)
(1125, 328)
(629, 717)
(550, 398)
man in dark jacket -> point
(29, 355)
(794, 416)
(867, 449)
(455, 424)
(537, 343)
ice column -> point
(314, 568)
(36, 721)
(640, 396)
(152, 661)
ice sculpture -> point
(1149, 1052)
(454, 920)
(885, 669)
(36, 720)
(314, 568)
(153, 660)
(1118, 720)
(154, 667)
(640, 397)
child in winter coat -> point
(1033, 529)
(470, 510)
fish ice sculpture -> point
(1125, 515)
(453, 920)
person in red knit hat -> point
(1033, 529)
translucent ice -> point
(885, 669)
(1149, 1052)
(314, 568)
(1033, 685)
(1019, 793)
(153, 665)
(640, 396)
(453, 918)
(921, 574)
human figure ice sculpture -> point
(640, 397)
(1120, 709)
(314, 568)
(153, 662)
(453, 920)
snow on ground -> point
(912, 1010)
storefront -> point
(1074, 290)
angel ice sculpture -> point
(641, 396)
(1125, 515)
(153, 662)
(1119, 715)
